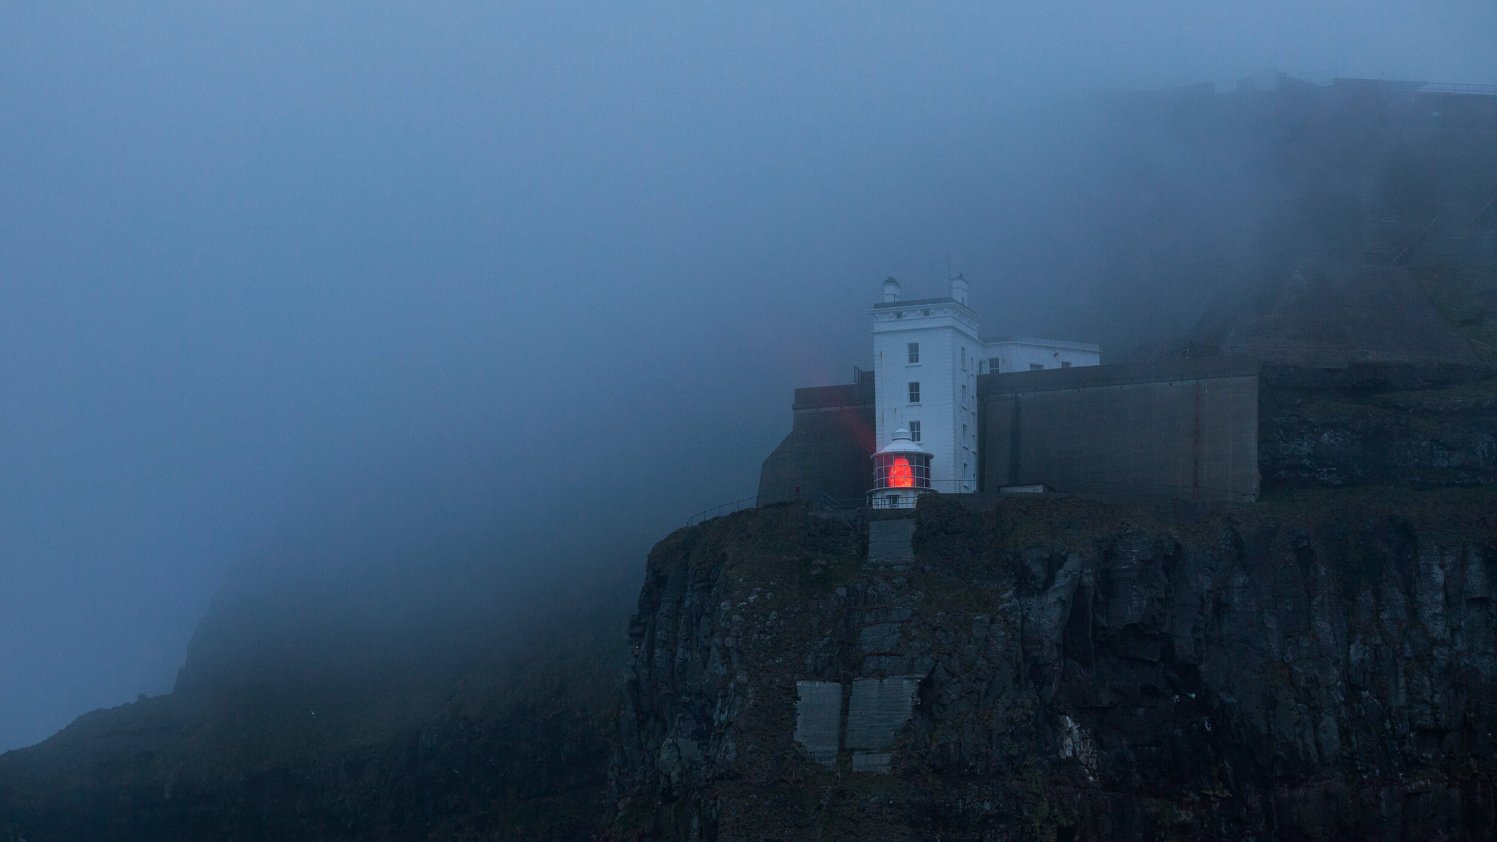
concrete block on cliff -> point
(818, 719)
(879, 707)
(890, 543)
(871, 761)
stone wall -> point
(1181, 428)
(827, 451)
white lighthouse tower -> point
(925, 361)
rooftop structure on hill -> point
(970, 415)
(927, 354)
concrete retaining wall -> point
(818, 719)
(828, 449)
(1183, 428)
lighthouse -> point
(925, 362)
(927, 356)
(901, 473)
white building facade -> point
(1025, 354)
(927, 354)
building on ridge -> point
(927, 355)
(1002, 415)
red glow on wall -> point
(900, 475)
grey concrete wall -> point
(1183, 428)
(818, 719)
(878, 708)
(828, 449)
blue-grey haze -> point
(541, 275)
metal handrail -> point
(871, 500)
(721, 509)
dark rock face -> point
(1426, 426)
(146, 772)
(514, 745)
(1350, 313)
(1317, 666)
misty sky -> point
(542, 273)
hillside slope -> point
(493, 741)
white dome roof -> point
(902, 443)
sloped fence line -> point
(723, 509)
(1120, 488)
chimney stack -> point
(959, 288)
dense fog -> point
(394, 296)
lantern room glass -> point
(901, 470)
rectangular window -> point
(964, 434)
(994, 366)
(964, 359)
(914, 431)
(914, 351)
(964, 395)
(982, 367)
(914, 391)
(1035, 366)
(1065, 364)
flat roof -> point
(1046, 343)
(1088, 376)
(918, 302)
(840, 395)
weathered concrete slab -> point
(818, 719)
(871, 761)
(889, 542)
(879, 707)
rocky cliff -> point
(1424, 426)
(1321, 664)
(319, 728)
(1318, 665)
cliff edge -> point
(1317, 665)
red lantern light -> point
(900, 475)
